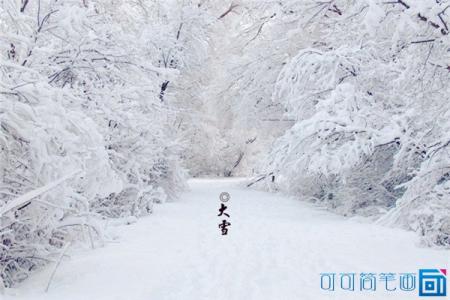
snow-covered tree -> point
(368, 96)
(85, 132)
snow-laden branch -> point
(28, 197)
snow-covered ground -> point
(276, 249)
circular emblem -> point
(224, 197)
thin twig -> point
(57, 265)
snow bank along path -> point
(275, 249)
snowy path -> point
(275, 249)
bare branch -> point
(24, 5)
(232, 6)
(424, 41)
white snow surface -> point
(276, 249)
